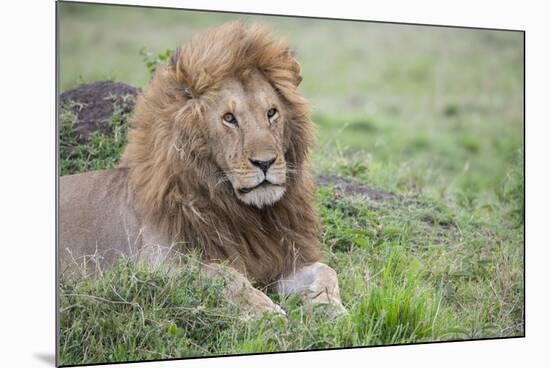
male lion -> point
(217, 159)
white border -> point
(27, 185)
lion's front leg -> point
(239, 290)
(316, 284)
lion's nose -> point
(263, 164)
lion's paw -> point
(257, 304)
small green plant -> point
(152, 61)
(354, 168)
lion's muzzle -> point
(264, 185)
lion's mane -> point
(175, 181)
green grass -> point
(433, 115)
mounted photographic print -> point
(242, 183)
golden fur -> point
(175, 179)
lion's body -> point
(169, 184)
(217, 159)
(99, 222)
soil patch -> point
(94, 103)
(348, 187)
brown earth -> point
(348, 187)
(94, 103)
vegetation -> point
(432, 115)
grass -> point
(398, 108)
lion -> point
(217, 159)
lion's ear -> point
(295, 67)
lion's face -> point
(245, 122)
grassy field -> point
(434, 115)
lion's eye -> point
(272, 115)
(230, 118)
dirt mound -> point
(94, 103)
(349, 187)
